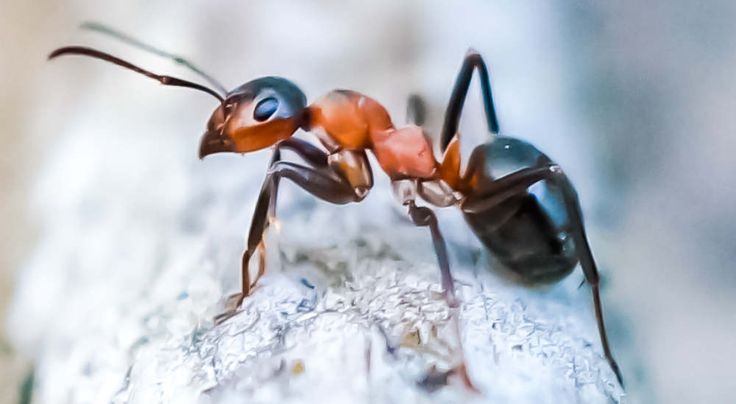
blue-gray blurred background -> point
(634, 99)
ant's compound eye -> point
(265, 108)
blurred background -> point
(633, 99)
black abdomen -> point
(528, 233)
(525, 241)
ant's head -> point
(254, 116)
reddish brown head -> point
(254, 116)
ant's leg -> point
(322, 182)
(316, 158)
(310, 153)
(423, 216)
(508, 186)
(104, 29)
(472, 61)
(416, 110)
(587, 262)
(518, 182)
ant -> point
(536, 233)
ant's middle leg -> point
(423, 216)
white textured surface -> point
(117, 303)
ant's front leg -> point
(313, 156)
(310, 153)
(323, 181)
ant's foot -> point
(462, 372)
(435, 379)
(232, 304)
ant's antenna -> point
(103, 29)
(165, 80)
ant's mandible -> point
(539, 235)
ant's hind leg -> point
(587, 262)
(513, 184)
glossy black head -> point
(254, 116)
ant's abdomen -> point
(528, 233)
(522, 237)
